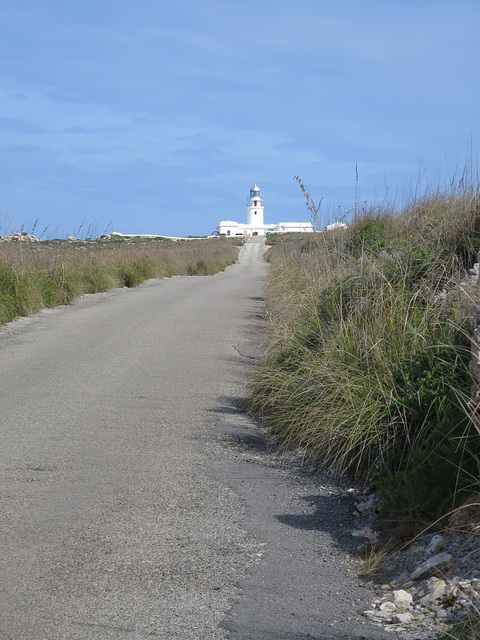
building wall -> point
(230, 228)
(296, 227)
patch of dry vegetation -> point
(44, 275)
(368, 351)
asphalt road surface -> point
(136, 499)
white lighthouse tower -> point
(255, 209)
(255, 225)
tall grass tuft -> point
(368, 351)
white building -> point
(255, 225)
(289, 227)
(336, 225)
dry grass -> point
(466, 630)
(373, 565)
(43, 275)
(368, 349)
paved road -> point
(127, 510)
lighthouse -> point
(255, 225)
(255, 209)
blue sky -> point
(157, 117)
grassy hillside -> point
(34, 276)
(368, 351)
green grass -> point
(44, 275)
(368, 351)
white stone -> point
(401, 600)
(403, 618)
(434, 590)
